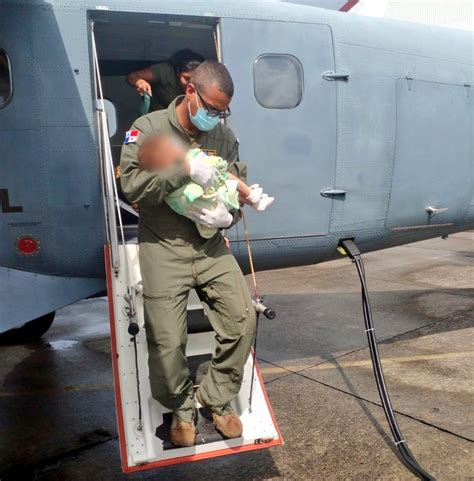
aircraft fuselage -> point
(361, 127)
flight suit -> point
(165, 85)
(174, 258)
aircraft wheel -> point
(30, 331)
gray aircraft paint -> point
(363, 136)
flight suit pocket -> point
(165, 321)
(228, 305)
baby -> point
(160, 151)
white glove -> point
(219, 218)
(264, 202)
(257, 199)
(255, 193)
(201, 173)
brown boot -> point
(228, 424)
(183, 434)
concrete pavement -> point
(57, 414)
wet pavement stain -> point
(61, 345)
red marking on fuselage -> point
(348, 5)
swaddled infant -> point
(161, 151)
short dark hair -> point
(211, 72)
(185, 60)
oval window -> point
(6, 85)
(111, 113)
(278, 81)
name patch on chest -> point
(210, 152)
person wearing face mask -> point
(175, 258)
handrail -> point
(104, 150)
(111, 198)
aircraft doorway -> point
(130, 42)
(143, 423)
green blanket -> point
(193, 196)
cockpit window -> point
(6, 85)
(278, 81)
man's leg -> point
(228, 304)
(166, 286)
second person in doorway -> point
(166, 80)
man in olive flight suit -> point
(174, 258)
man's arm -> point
(141, 79)
(147, 187)
(155, 74)
(236, 168)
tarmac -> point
(57, 413)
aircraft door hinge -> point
(468, 89)
(330, 75)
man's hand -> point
(143, 86)
(201, 173)
(219, 218)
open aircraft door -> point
(284, 111)
(143, 424)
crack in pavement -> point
(35, 470)
(383, 341)
(301, 373)
(361, 398)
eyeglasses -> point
(222, 114)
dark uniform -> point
(174, 258)
(165, 84)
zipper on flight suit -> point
(193, 260)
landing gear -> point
(30, 331)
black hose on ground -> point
(349, 248)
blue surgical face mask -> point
(202, 121)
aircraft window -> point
(6, 86)
(111, 112)
(278, 81)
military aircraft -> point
(363, 126)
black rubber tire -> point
(31, 331)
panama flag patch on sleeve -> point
(131, 137)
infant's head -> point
(159, 151)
